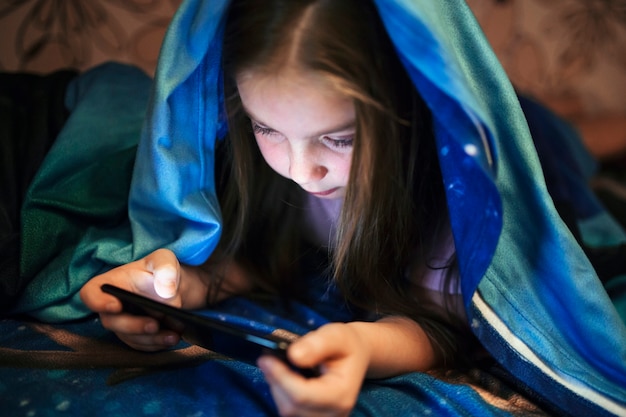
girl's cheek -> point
(276, 156)
(344, 167)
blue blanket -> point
(79, 369)
(532, 297)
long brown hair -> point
(394, 209)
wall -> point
(45, 35)
(568, 51)
(569, 54)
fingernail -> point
(151, 328)
(170, 340)
(165, 282)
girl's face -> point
(304, 129)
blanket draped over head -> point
(531, 296)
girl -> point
(328, 145)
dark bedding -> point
(32, 113)
(78, 369)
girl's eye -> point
(339, 142)
(262, 130)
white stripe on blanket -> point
(524, 351)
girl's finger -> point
(151, 342)
(164, 267)
(295, 386)
(166, 280)
(98, 301)
(129, 324)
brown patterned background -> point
(44, 35)
(571, 54)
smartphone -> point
(245, 344)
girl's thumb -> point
(166, 281)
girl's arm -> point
(390, 346)
(396, 345)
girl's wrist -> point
(395, 345)
(193, 287)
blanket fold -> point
(74, 218)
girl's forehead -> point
(297, 105)
(287, 78)
(298, 87)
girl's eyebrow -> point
(350, 124)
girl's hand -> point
(156, 276)
(342, 357)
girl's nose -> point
(304, 168)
